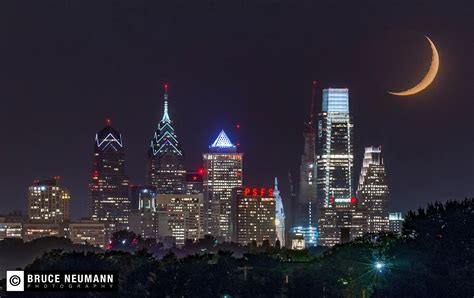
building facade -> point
(335, 149)
(372, 190)
(35, 230)
(48, 201)
(395, 222)
(194, 182)
(185, 215)
(306, 218)
(222, 173)
(340, 223)
(109, 185)
(87, 232)
(340, 216)
(140, 191)
(253, 215)
(10, 229)
(165, 157)
(144, 220)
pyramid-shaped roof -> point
(222, 142)
(107, 138)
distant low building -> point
(395, 222)
(34, 230)
(10, 229)
(87, 232)
(297, 241)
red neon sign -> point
(258, 192)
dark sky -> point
(66, 65)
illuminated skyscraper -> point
(372, 190)
(109, 181)
(279, 215)
(340, 218)
(144, 219)
(165, 157)
(335, 153)
(194, 182)
(253, 215)
(48, 201)
(306, 208)
(222, 173)
(185, 215)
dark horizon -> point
(64, 68)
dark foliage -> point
(433, 258)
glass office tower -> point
(165, 157)
(222, 173)
(109, 182)
(372, 190)
(335, 150)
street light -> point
(379, 266)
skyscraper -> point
(144, 219)
(48, 201)
(194, 182)
(279, 215)
(335, 152)
(372, 190)
(306, 207)
(253, 215)
(109, 182)
(341, 223)
(165, 157)
(185, 215)
(340, 218)
(222, 173)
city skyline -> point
(261, 82)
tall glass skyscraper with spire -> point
(165, 157)
(109, 182)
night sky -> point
(67, 65)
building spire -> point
(275, 188)
(313, 95)
(166, 117)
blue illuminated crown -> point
(222, 142)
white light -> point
(379, 265)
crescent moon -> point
(429, 77)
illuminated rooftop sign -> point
(222, 141)
(258, 192)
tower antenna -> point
(313, 95)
